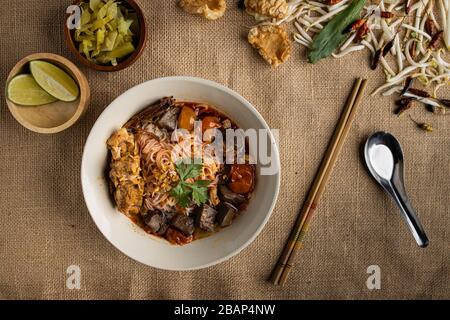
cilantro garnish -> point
(185, 192)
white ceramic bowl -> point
(129, 238)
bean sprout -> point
(303, 32)
(386, 66)
(347, 43)
(347, 51)
(338, 5)
(329, 15)
(423, 33)
(408, 33)
(302, 39)
(393, 90)
(368, 46)
(422, 99)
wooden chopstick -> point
(307, 206)
(285, 262)
(322, 186)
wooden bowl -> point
(139, 43)
(57, 116)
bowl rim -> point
(79, 77)
(244, 102)
(142, 43)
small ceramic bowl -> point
(140, 42)
(57, 116)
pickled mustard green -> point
(104, 34)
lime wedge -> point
(24, 90)
(54, 80)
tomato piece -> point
(186, 118)
(210, 122)
(242, 178)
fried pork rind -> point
(267, 9)
(272, 42)
(125, 172)
(210, 9)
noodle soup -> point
(177, 173)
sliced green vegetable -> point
(101, 14)
(333, 34)
(105, 35)
(124, 26)
(110, 40)
(118, 53)
(112, 11)
(85, 16)
(94, 4)
(100, 38)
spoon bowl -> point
(384, 159)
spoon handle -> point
(410, 217)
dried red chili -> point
(362, 32)
(436, 40)
(386, 15)
(354, 26)
(388, 46)
(408, 84)
(376, 59)
(407, 6)
(430, 27)
(439, 110)
(419, 92)
(403, 104)
(445, 102)
(384, 50)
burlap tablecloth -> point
(45, 226)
